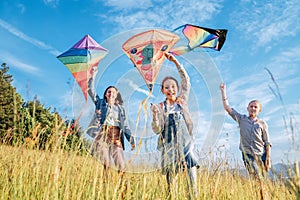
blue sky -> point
(261, 34)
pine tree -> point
(10, 105)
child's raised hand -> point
(155, 111)
(154, 108)
(222, 86)
(170, 56)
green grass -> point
(36, 174)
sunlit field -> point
(57, 174)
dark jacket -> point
(102, 106)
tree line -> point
(30, 123)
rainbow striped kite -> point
(81, 59)
(200, 37)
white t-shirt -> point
(112, 117)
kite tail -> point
(144, 106)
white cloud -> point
(291, 55)
(22, 8)
(266, 23)
(51, 3)
(283, 66)
(23, 36)
(157, 13)
(284, 63)
(130, 4)
(14, 62)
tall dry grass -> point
(35, 174)
(67, 173)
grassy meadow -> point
(56, 174)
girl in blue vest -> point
(109, 127)
(172, 122)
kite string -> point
(143, 105)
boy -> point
(254, 136)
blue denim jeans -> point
(254, 164)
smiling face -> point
(254, 108)
(111, 95)
(170, 90)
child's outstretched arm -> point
(185, 79)
(224, 98)
(91, 85)
(183, 96)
